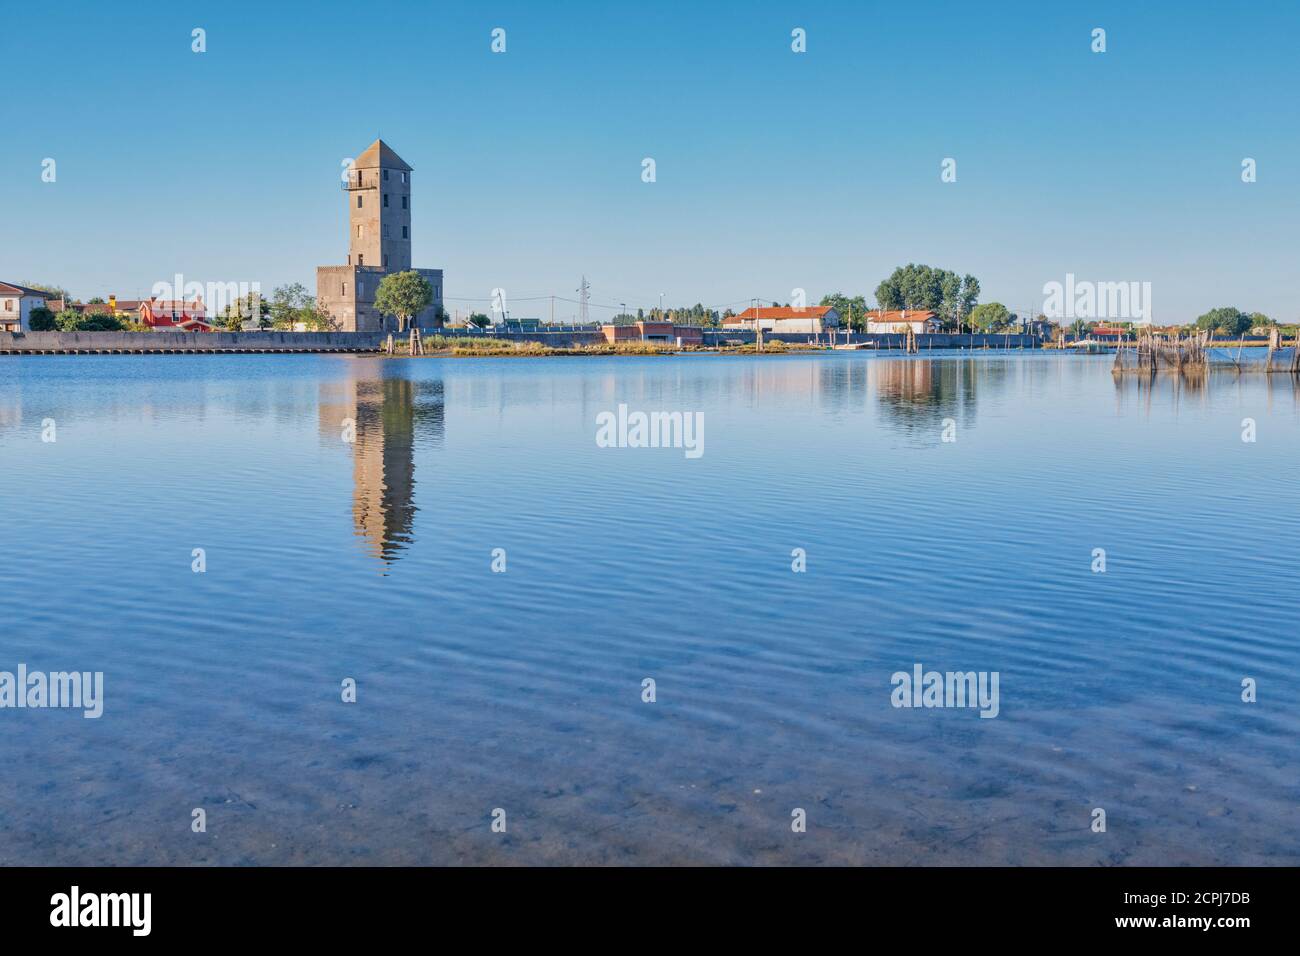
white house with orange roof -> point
(919, 321)
(810, 318)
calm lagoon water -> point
(522, 690)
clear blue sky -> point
(775, 170)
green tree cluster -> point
(70, 320)
(291, 307)
(853, 311)
(247, 307)
(1226, 319)
(993, 317)
(923, 287)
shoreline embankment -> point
(156, 343)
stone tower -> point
(379, 214)
(378, 192)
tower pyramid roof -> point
(379, 154)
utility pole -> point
(584, 291)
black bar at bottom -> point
(339, 905)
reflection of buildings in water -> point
(920, 393)
(391, 416)
(912, 392)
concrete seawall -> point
(184, 342)
(131, 343)
(893, 340)
(882, 340)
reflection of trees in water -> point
(392, 415)
(918, 394)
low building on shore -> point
(178, 314)
(654, 332)
(919, 321)
(16, 304)
(811, 319)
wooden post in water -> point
(389, 347)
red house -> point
(177, 314)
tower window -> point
(406, 232)
(385, 232)
(343, 290)
(385, 175)
(359, 228)
(385, 200)
(358, 200)
(404, 198)
(403, 177)
(385, 260)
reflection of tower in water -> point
(391, 416)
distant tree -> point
(96, 301)
(1258, 320)
(287, 304)
(69, 320)
(54, 291)
(990, 316)
(852, 310)
(935, 290)
(963, 301)
(244, 308)
(1226, 319)
(479, 320)
(315, 319)
(403, 295)
(100, 322)
(42, 319)
(1080, 329)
